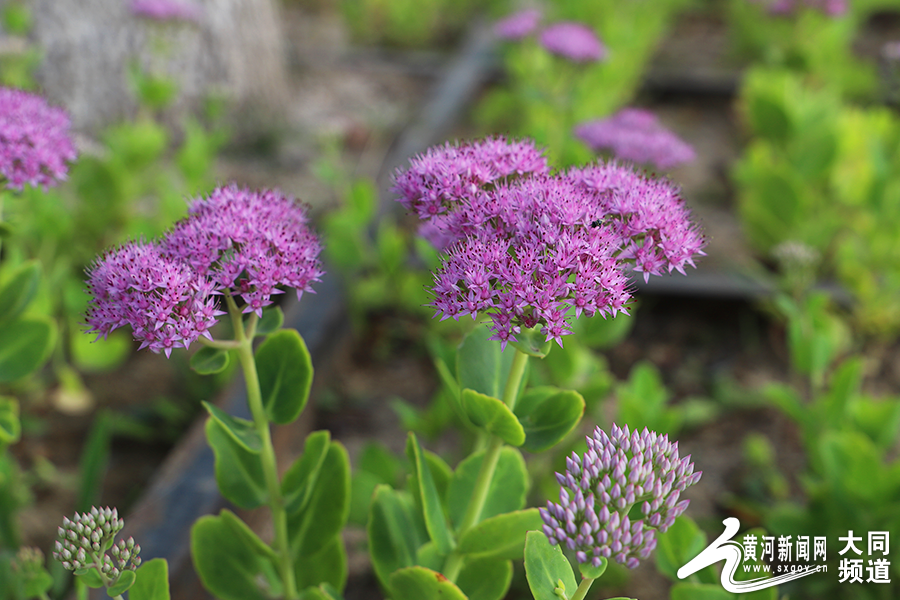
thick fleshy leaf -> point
(285, 375)
(506, 492)
(231, 561)
(18, 290)
(328, 565)
(493, 416)
(432, 508)
(10, 427)
(547, 569)
(241, 431)
(589, 571)
(419, 583)
(239, 472)
(485, 579)
(152, 581)
(547, 421)
(321, 592)
(90, 577)
(122, 584)
(24, 346)
(394, 532)
(209, 361)
(532, 342)
(299, 481)
(272, 320)
(502, 536)
(480, 365)
(326, 510)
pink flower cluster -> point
(574, 41)
(527, 248)
(239, 242)
(167, 10)
(637, 135)
(35, 145)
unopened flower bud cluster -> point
(85, 539)
(618, 472)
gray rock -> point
(235, 50)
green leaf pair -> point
(25, 340)
(542, 416)
(412, 533)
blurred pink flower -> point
(167, 10)
(518, 25)
(574, 41)
(35, 145)
(636, 135)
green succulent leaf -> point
(232, 562)
(122, 584)
(241, 431)
(25, 345)
(328, 565)
(506, 492)
(285, 375)
(394, 532)
(419, 583)
(239, 472)
(547, 416)
(90, 577)
(480, 364)
(501, 536)
(493, 416)
(299, 481)
(19, 289)
(432, 508)
(485, 579)
(272, 320)
(325, 513)
(546, 568)
(10, 427)
(152, 581)
(209, 361)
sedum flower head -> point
(518, 25)
(164, 302)
(250, 242)
(621, 476)
(574, 41)
(636, 135)
(85, 539)
(35, 145)
(529, 248)
(166, 10)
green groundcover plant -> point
(528, 249)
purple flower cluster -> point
(636, 135)
(167, 10)
(618, 472)
(518, 25)
(527, 249)
(35, 145)
(574, 41)
(236, 241)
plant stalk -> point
(454, 562)
(582, 590)
(267, 454)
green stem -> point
(267, 455)
(454, 562)
(582, 590)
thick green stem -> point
(582, 590)
(267, 455)
(454, 562)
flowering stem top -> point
(527, 247)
